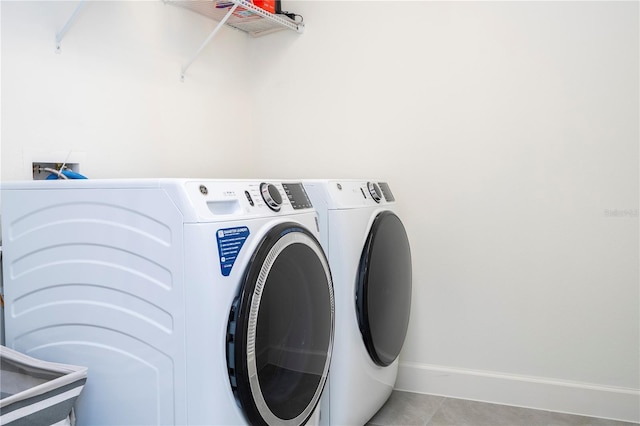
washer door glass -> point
(383, 291)
(281, 329)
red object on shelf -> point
(268, 5)
(241, 12)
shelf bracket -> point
(209, 38)
(60, 34)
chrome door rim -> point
(262, 406)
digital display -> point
(297, 195)
(386, 191)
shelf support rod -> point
(209, 38)
(60, 35)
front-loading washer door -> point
(383, 289)
(280, 333)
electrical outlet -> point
(41, 170)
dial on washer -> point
(271, 196)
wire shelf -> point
(246, 17)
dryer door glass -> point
(383, 291)
(280, 348)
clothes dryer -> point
(191, 301)
(370, 259)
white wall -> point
(509, 133)
(507, 130)
(114, 93)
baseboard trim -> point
(523, 391)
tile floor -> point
(412, 409)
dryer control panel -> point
(345, 194)
(386, 191)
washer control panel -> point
(271, 196)
(297, 195)
(246, 198)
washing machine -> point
(190, 301)
(370, 259)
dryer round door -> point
(281, 329)
(383, 289)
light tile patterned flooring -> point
(412, 409)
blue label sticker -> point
(230, 242)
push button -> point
(249, 199)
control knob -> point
(271, 196)
(375, 191)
